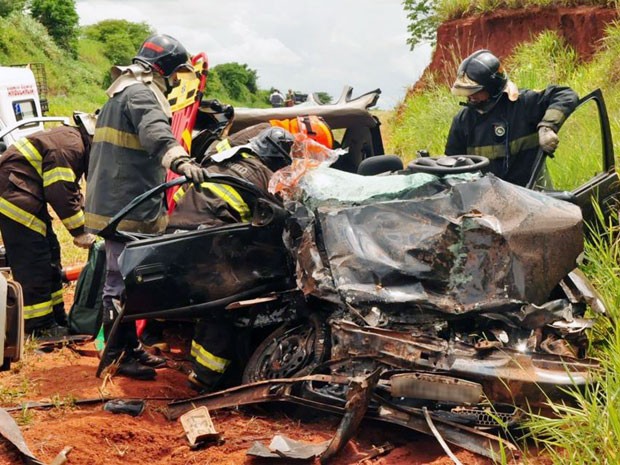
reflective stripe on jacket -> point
(44, 168)
(216, 203)
(132, 135)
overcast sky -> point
(307, 46)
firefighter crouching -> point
(44, 168)
(216, 204)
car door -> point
(584, 162)
(184, 274)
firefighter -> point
(132, 148)
(504, 124)
(217, 204)
(44, 168)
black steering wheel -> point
(453, 164)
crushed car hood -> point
(443, 245)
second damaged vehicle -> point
(456, 294)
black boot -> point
(132, 368)
(128, 365)
(51, 333)
(146, 359)
(153, 336)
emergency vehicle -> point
(23, 102)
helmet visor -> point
(464, 86)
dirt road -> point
(99, 437)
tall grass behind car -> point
(590, 432)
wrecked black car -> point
(453, 297)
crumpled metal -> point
(467, 245)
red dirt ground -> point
(99, 437)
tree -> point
(324, 97)
(60, 19)
(423, 21)
(238, 80)
(9, 6)
(121, 38)
(135, 33)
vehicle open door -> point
(584, 163)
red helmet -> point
(313, 126)
(164, 54)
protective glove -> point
(548, 139)
(191, 171)
(84, 240)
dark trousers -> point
(212, 350)
(35, 263)
(126, 338)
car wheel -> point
(292, 350)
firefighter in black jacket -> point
(44, 168)
(132, 148)
(216, 204)
(504, 124)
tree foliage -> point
(423, 21)
(61, 20)
(238, 79)
(121, 38)
(324, 97)
(9, 6)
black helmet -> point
(273, 146)
(480, 70)
(164, 54)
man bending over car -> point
(216, 204)
(504, 124)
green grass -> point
(588, 432)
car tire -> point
(293, 349)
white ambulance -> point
(22, 102)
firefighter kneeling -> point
(217, 204)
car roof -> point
(345, 112)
